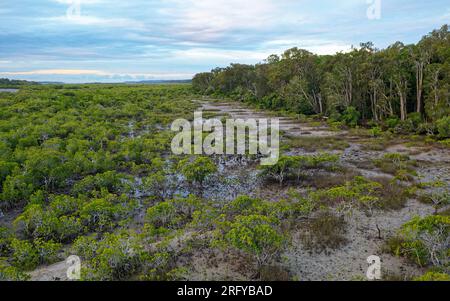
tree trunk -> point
(320, 103)
(391, 109)
(317, 103)
(436, 87)
(402, 95)
(374, 104)
(402, 108)
(419, 85)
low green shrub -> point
(351, 116)
(443, 127)
(257, 235)
(433, 276)
(28, 255)
(423, 240)
(11, 273)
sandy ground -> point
(237, 177)
(289, 126)
(54, 272)
(350, 261)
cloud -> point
(56, 72)
(446, 16)
(100, 73)
(174, 38)
(82, 2)
(96, 21)
(209, 54)
(220, 15)
(212, 19)
(321, 47)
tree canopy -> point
(376, 84)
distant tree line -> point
(12, 83)
(395, 85)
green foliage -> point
(47, 250)
(6, 237)
(254, 234)
(37, 222)
(428, 224)
(11, 273)
(415, 119)
(114, 257)
(376, 131)
(439, 198)
(82, 135)
(110, 181)
(393, 163)
(102, 214)
(244, 205)
(287, 211)
(85, 247)
(443, 127)
(365, 83)
(280, 170)
(303, 207)
(395, 157)
(122, 256)
(69, 157)
(197, 170)
(201, 82)
(16, 190)
(424, 240)
(433, 276)
(359, 193)
(6, 169)
(13, 83)
(66, 217)
(256, 227)
(157, 183)
(351, 116)
(367, 195)
(27, 255)
(64, 205)
(445, 143)
(253, 226)
(293, 166)
(162, 215)
(392, 122)
(72, 160)
(405, 127)
(173, 214)
(160, 267)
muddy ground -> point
(350, 261)
(240, 177)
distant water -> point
(9, 90)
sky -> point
(130, 40)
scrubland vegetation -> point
(403, 88)
(87, 170)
